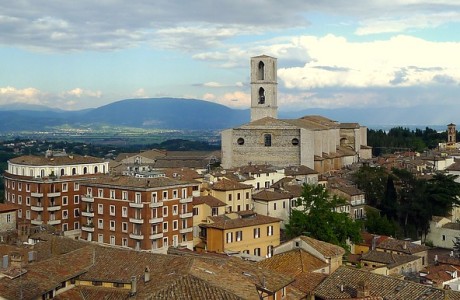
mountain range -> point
(193, 114)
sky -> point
(331, 54)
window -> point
(76, 225)
(124, 211)
(100, 238)
(165, 226)
(195, 211)
(27, 187)
(20, 213)
(28, 214)
(184, 193)
(175, 225)
(112, 225)
(238, 196)
(100, 209)
(261, 96)
(124, 195)
(267, 140)
(165, 211)
(256, 233)
(175, 194)
(274, 206)
(270, 230)
(124, 242)
(65, 227)
(100, 223)
(138, 198)
(65, 200)
(19, 186)
(269, 251)
(64, 187)
(13, 198)
(165, 242)
(240, 141)
(238, 207)
(214, 211)
(229, 237)
(112, 194)
(112, 210)
(8, 218)
(100, 193)
(65, 214)
(229, 197)
(175, 209)
(247, 195)
(165, 195)
(13, 184)
(154, 197)
(76, 186)
(443, 237)
(76, 199)
(76, 212)
(257, 251)
(19, 199)
(284, 204)
(124, 226)
(239, 235)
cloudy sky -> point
(331, 54)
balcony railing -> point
(155, 236)
(186, 215)
(136, 205)
(54, 208)
(53, 194)
(36, 208)
(53, 222)
(155, 220)
(36, 222)
(36, 194)
(136, 236)
(87, 213)
(136, 220)
(186, 200)
(87, 227)
(87, 198)
(186, 230)
(156, 204)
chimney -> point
(341, 288)
(363, 289)
(147, 274)
(133, 286)
(5, 262)
(405, 245)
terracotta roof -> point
(293, 262)
(7, 207)
(229, 185)
(133, 182)
(268, 122)
(239, 220)
(349, 190)
(299, 170)
(70, 159)
(439, 273)
(390, 259)
(267, 195)
(255, 169)
(452, 225)
(326, 249)
(379, 286)
(208, 200)
(402, 246)
(367, 238)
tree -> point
(375, 223)
(456, 247)
(372, 181)
(317, 218)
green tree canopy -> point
(316, 217)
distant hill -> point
(161, 113)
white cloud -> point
(10, 95)
(78, 92)
(140, 93)
(236, 99)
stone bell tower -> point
(264, 87)
(451, 134)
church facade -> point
(314, 141)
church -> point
(313, 141)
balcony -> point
(53, 222)
(87, 227)
(186, 200)
(89, 214)
(186, 230)
(155, 220)
(87, 198)
(186, 215)
(36, 222)
(53, 194)
(161, 250)
(36, 194)
(156, 236)
(156, 204)
(136, 205)
(54, 208)
(36, 208)
(136, 220)
(136, 236)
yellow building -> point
(204, 206)
(237, 196)
(246, 232)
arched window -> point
(267, 140)
(261, 71)
(85, 170)
(74, 171)
(62, 172)
(95, 169)
(261, 96)
(42, 173)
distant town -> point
(306, 208)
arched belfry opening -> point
(261, 96)
(261, 71)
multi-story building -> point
(356, 201)
(204, 206)
(237, 196)
(139, 213)
(245, 232)
(47, 188)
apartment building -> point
(237, 196)
(139, 213)
(47, 188)
(245, 232)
